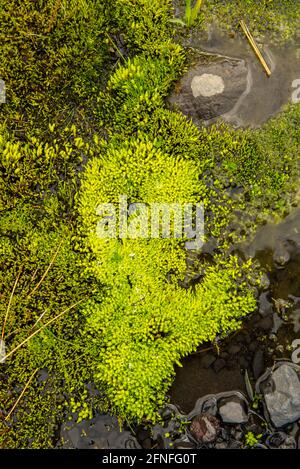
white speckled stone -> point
(207, 85)
(283, 399)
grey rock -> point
(233, 411)
(211, 89)
(277, 323)
(282, 441)
(290, 443)
(74, 435)
(282, 395)
(184, 445)
(239, 435)
(265, 305)
(276, 440)
(224, 434)
(295, 317)
(210, 406)
(233, 444)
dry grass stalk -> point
(255, 48)
(21, 395)
(41, 328)
(46, 271)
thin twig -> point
(9, 303)
(41, 328)
(115, 46)
(202, 351)
(255, 48)
(46, 271)
(38, 320)
(21, 395)
(34, 275)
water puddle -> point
(266, 336)
(249, 97)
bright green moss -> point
(138, 88)
(145, 326)
(168, 160)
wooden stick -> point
(115, 46)
(41, 328)
(255, 48)
(9, 303)
(21, 395)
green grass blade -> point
(188, 12)
(195, 10)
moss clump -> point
(144, 24)
(138, 88)
(35, 197)
(41, 171)
(167, 160)
(143, 323)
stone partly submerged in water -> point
(259, 96)
(233, 410)
(209, 90)
(281, 392)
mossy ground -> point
(276, 20)
(269, 20)
(78, 116)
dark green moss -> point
(52, 57)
